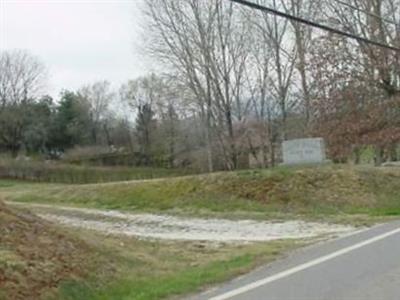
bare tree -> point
(173, 40)
(376, 20)
(276, 34)
(21, 80)
(21, 77)
(98, 97)
(206, 42)
(144, 95)
(303, 38)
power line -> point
(366, 12)
(312, 24)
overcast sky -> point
(80, 41)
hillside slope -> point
(35, 257)
(310, 191)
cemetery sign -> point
(304, 151)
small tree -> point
(70, 123)
(97, 98)
(145, 126)
(36, 136)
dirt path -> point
(178, 228)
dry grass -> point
(35, 257)
(41, 261)
(38, 259)
(148, 270)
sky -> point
(79, 41)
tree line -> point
(235, 83)
(259, 79)
(143, 117)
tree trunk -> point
(378, 156)
(393, 156)
(14, 152)
(234, 157)
(357, 155)
(208, 127)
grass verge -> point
(39, 260)
(148, 270)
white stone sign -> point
(304, 151)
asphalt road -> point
(363, 266)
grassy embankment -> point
(154, 270)
(308, 192)
(39, 260)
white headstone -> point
(304, 151)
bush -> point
(47, 171)
(79, 153)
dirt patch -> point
(34, 256)
(164, 227)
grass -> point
(305, 191)
(35, 257)
(127, 268)
(157, 270)
(43, 261)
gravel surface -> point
(190, 229)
